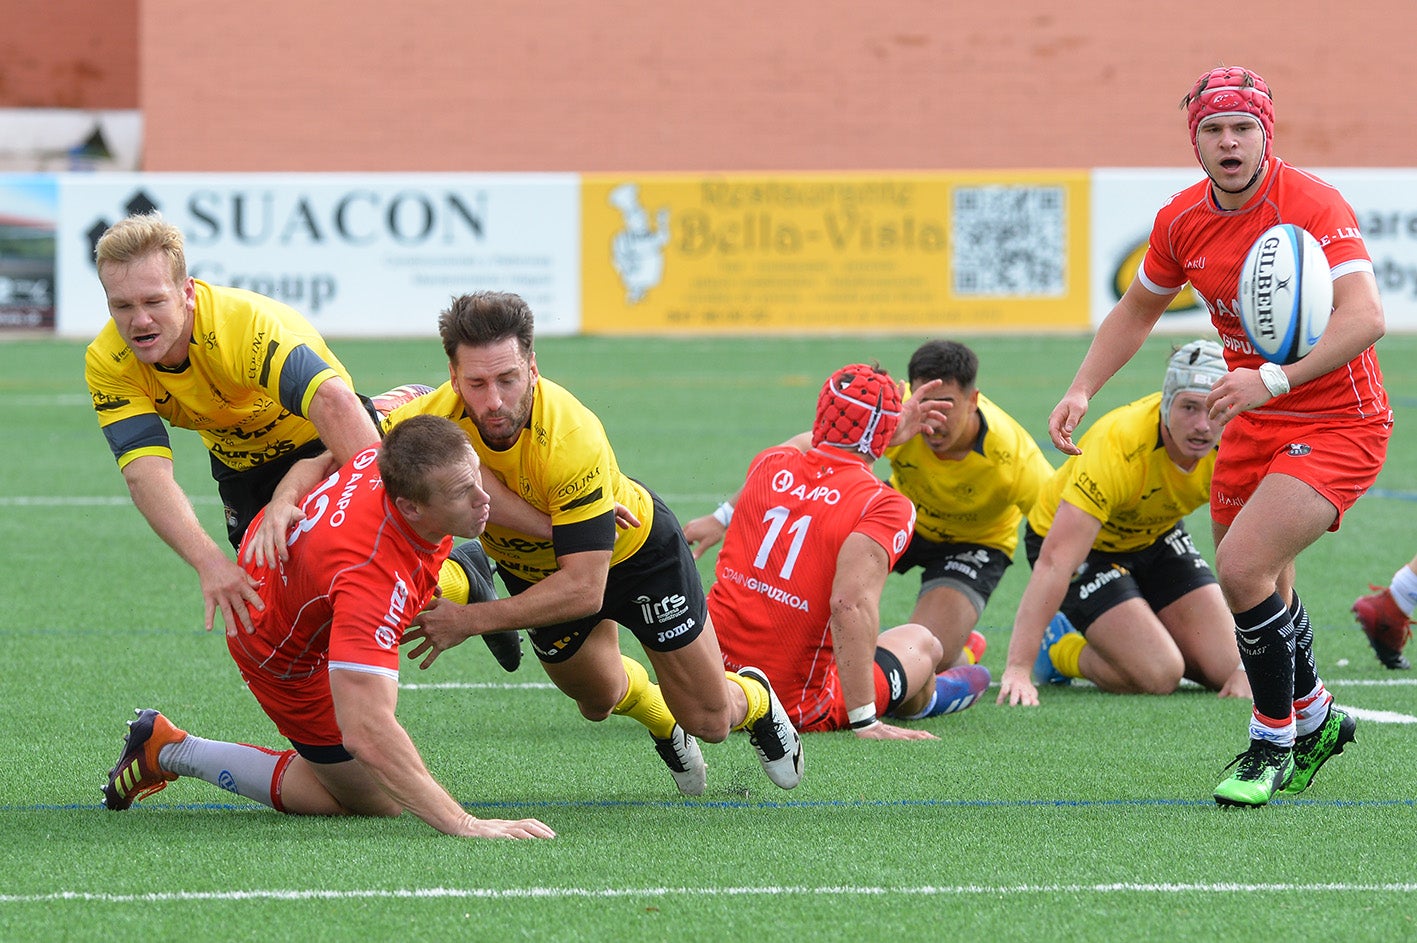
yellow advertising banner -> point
(831, 253)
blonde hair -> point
(139, 236)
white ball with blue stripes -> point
(1286, 293)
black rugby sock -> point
(1265, 635)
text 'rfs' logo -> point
(666, 609)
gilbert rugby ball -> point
(1286, 293)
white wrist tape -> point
(1274, 379)
(863, 716)
(723, 513)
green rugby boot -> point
(1313, 750)
(1261, 773)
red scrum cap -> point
(858, 409)
(1230, 91)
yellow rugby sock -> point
(1065, 653)
(756, 694)
(453, 584)
(644, 702)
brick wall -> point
(448, 85)
(69, 54)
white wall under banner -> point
(357, 254)
(1125, 201)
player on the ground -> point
(1109, 549)
(971, 471)
(573, 591)
(323, 660)
(1302, 442)
(806, 554)
(971, 476)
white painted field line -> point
(477, 686)
(31, 400)
(1379, 717)
(566, 893)
(78, 501)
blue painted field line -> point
(718, 804)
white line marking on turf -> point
(51, 399)
(67, 501)
(484, 893)
(1380, 717)
(477, 686)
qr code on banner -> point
(1009, 241)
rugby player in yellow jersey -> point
(572, 592)
(247, 372)
(1109, 549)
(971, 476)
(971, 471)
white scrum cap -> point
(1195, 368)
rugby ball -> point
(1286, 293)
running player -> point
(324, 660)
(1302, 442)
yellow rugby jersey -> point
(1125, 479)
(981, 498)
(561, 464)
(252, 367)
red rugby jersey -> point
(771, 601)
(356, 577)
(1194, 240)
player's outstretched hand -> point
(1016, 688)
(1064, 419)
(504, 828)
(228, 589)
(702, 533)
(883, 731)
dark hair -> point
(416, 448)
(485, 317)
(943, 360)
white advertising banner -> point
(1125, 201)
(357, 254)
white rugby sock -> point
(241, 768)
(1404, 590)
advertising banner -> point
(372, 255)
(1125, 201)
(822, 253)
(29, 208)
